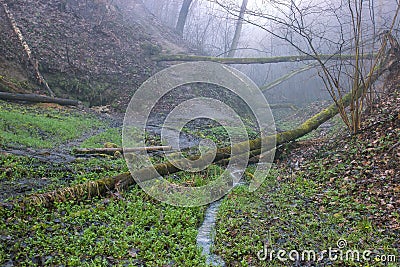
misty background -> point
(210, 27)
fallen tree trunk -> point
(38, 99)
(279, 59)
(286, 77)
(111, 151)
(283, 106)
(122, 181)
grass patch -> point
(196, 179)
(112, 135)
(38, 127)
(122, 229)
(24, 175)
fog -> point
(280, 28)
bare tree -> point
(238, 31)
(183, 14)
(314, 28)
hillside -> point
(94, 51)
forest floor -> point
(325, 188)
(323, 194)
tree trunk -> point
(27, 50)
(286, 77)
(238, 30)
(180, 25)
(38, 99)
(283, 106)
(266, 60)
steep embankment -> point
(97, 51)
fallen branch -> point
(38, 99)
(266, 60)
(393, 147)
(286, 77)
(111, 151)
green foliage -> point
(307, 209)
(94, 92)
(35, 127)
(196, 179)
(112, 135)
(127, 229)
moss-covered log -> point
(266, 60)
(78, 192)
(283, 106)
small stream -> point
(206, 235)
(206, 232)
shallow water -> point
(205, 237)
(206, 232)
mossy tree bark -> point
(261, 60)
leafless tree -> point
(183, 14)
(314, 28)
(238, 31)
